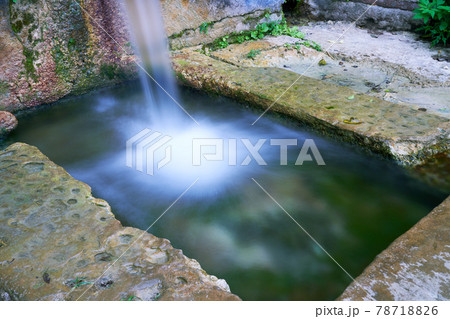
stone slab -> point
(56, 239)
(398, 131)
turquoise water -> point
(354, 206)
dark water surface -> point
(354, 206)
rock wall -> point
(221, 16)
(385, 14)
(52, 48)
(56, 241)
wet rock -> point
(416, 266)
(8, 122)
(48, 254)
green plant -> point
(77, 282)
(223, 42)
(131, 298)
(306, 43)
(204, 27)
(253, 53)
(436, 17)
(312, 44)
(274, 28)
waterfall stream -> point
(156, 76)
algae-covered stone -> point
(50, 49)
(57, 242)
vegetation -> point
(204, 27)
(262, 30)
(436, 17)
(78, 282)
(29, 63)
(253, 53)
(306, 43)
(130, 298)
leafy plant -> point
(253, 53)
(204, 27)
(311, 44)
(262, 30)
(436, 17)
(223, 42)
(306, 43)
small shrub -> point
(262, 30)
(436, 17)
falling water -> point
(168, 117)
(156, 75)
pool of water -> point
(354, 206)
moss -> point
(60, 65)
(17, 26)
(112, 72)
(183, 79)
(71, 44)
(4, 87)
(29, 63)
(28, 18)
(177, 35)
(182, 62)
